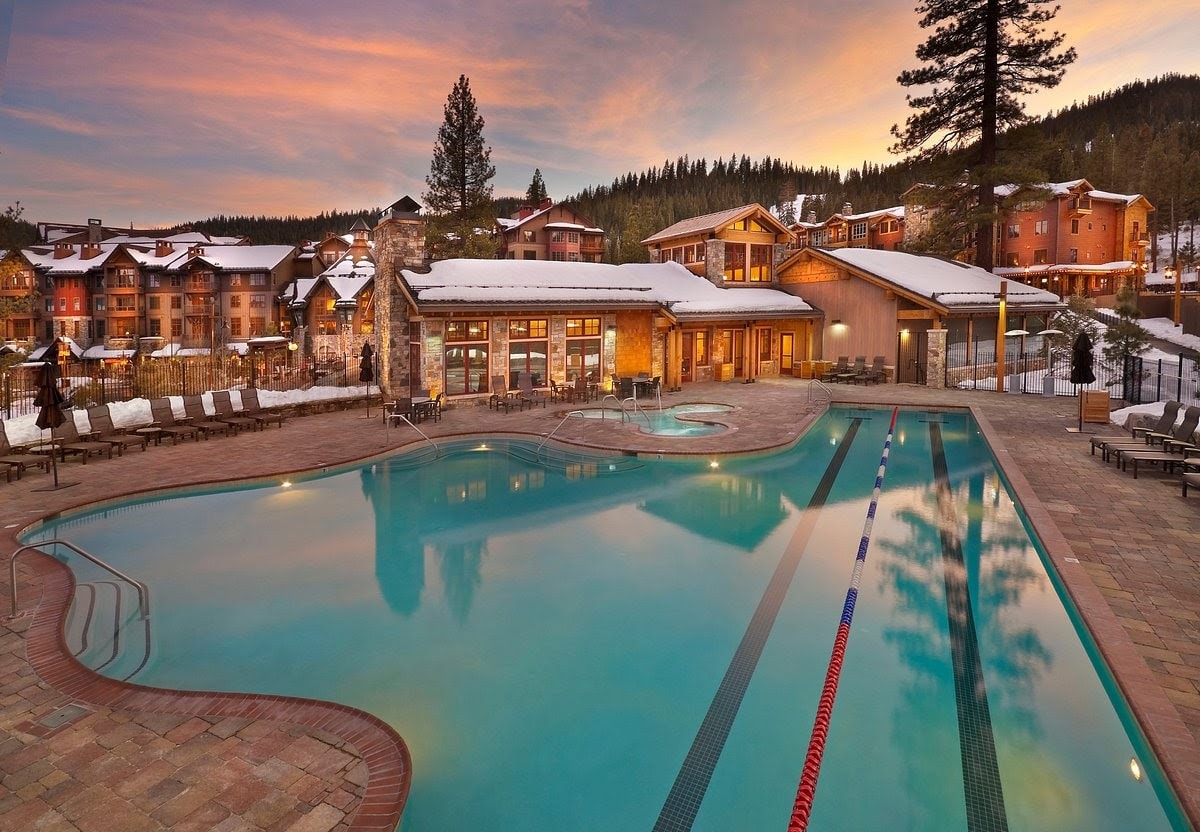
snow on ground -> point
(1164, 329)
(23, 430)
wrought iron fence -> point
(1162, 379)
(97, 383)
(1037, 369)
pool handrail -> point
(143, 591)
(400, 417)
(817, 384)
(538, 453)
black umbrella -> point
(366, 371)
(1081, 368)
(1081, 360)
(49, 400)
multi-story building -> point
(549, 232)
(882, 229)
(738, 245)
(19, 295)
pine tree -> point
(460, 191)
(537, 190)
(1126, 338)
(982, 55)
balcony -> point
(1139, 239)
(1080, 206)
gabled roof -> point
(234, 258)
(511, 223)
(715, 222)
(346, 278)
(548, 283)
(933, 282)
(42, 258)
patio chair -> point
(561, 392)
(1182, 434)
(503, 397)
(527, 392)
(399, 411)
(223, 405)
(72, 442)
(582, 391)
(1170, 461)
(852, 374)
(263, 415)
(193, 406)
(100, 421)
(164, 420)
(17, 462)
(874, 374)
(1178, 441)
(1164, 424)
(1191, 474)
(842, 366)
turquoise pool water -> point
(552, 639)
(663, 422)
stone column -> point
(399, 244)
(714, 261)
(935, 358)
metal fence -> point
(1160, 380)
(1046, 372)
(94, 383)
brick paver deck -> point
(135, 758)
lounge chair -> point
(71, 442)
(842, 366)
(1164, 424)
(223, 405)
(852, 374)
(527, 392)
(874, 374)
(164, 420)
(193, 406)
(503, 397)
(15, 462)
(1179, 441)
(263, 415)
(1191, 474)
(1169, 460)
(101, 424)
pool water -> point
(553, 638)
(664, 422)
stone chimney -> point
(399, 244)
(812, 218)
(93, 231)
(523, 212)
(88, 250)
(546, 203)
(847, 208)
(163, 247)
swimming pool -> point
(552, 640)
(665, 422)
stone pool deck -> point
(133, 758)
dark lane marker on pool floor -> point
(683, 801)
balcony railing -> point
(1081, 205)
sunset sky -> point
(156, 112)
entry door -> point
(910, 356)
(787, 348)
(689, 356)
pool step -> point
(105, 631)
(559, 459)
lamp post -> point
(1048, 379)
(1001, 326)
(1174, 272)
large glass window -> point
(527, 349)
(466, 357)
(583, 348)
(735, 262)
(760, 264)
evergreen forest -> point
(1141, 138)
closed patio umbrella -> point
(1081, 367)
(49, 400)
(366, 371)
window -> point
(583, 348)
(176, 281)
(527, 349)
(199, 280)
(99, 301)
(154, 302)
(235, 279)
(258, 326)
(556, 236)
(1011, 258)
(560, 256)
(529, 236)
(760, 263)
(858, 231)
(701, 348)
(123, 277)
(1014, 230)
(258, 301)
(125, 303)
(1073, 256)
(735, 262)
(572, 236)
(176, 302)
(100, 329)
(155, 325)
(258, 279)
(1039, 257)
(573, 256)
(176, 328)
(466, 357)
(62, 304)
(235, 301)
(49, 304)
(77, 304)
(529, 255)
(235, 327)
(1074, 226)
(1041, 227)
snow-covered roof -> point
(76, 350)
(347, 277)
(1160, 278)
(707, 222)
(42, 257)
(946, 282)
(100, 351)
(1072, 186)
(1115, 267)
(184, 238)
(542, 282)
(233, 258)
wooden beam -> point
(916, 315)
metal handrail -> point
(620, 406)
(389, 416)
(537, 455)
(143, 591)
(820, 385)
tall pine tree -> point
(982, 56)
(537, 190)
(459, 198)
